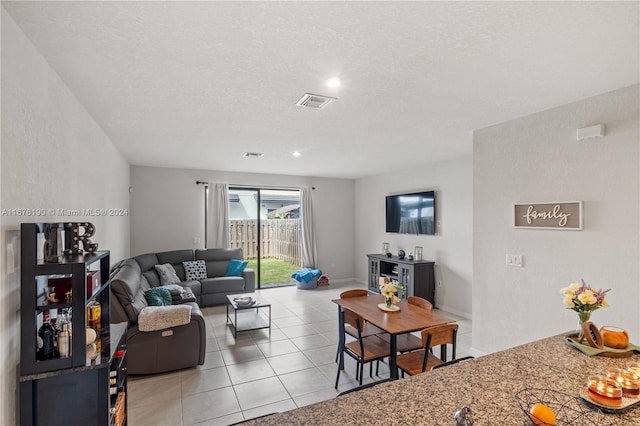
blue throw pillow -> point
(158, 296)
(236, 266)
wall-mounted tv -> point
(412, 213)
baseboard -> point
(476, 353)
(454, 311)
(345, 280)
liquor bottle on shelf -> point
(94, 312)
(48, 335)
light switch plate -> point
(514, 260)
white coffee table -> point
(246, 318)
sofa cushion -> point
(222, 285)
(158, 296)
(147, 261)
(195, 270)
(217, 259)
(235, 268)
(129, 286)
(176, 257)
(153, 277)
(167, 274)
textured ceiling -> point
(196, 84)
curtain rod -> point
(264, 187)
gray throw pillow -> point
(167, 274)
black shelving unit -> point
(73, 390)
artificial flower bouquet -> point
(582, 298)
(389, 288)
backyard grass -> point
(273, 270)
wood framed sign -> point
(559, 215)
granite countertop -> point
(487, 385)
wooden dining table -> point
(408, 319)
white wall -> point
(54, 156)
(450, 248)
(537, 159)
(168, 211)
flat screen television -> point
(412, 213)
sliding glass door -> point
(265, 223)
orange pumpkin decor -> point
(614, 337)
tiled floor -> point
(256, 374)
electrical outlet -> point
(196, 240)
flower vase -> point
(389, 301)
(583, 316)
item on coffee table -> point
(244, 301)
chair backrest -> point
(353, 319)
(353, 293)
(419, 301)
(440, 335)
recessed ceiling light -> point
(296, 153)
(334, 82)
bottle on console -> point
(48, 335)
(94, 312)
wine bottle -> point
(48, 335)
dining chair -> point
(419, 301)
(408, 342)
(424, 360)
(369, 329)
(365, 349)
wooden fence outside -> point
(280, 238)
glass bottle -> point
(64, 341)
(48, 335)
(94, 312)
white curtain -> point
(308, 236)
(218, 228)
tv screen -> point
(412, 213)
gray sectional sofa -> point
(181, 346)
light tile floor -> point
(257, 373)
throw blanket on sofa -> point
(154, 318)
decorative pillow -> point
(179, 294)
(167, 274)
(236, 266)
(195, 270)
(158, 296)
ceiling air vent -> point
(314, 101)
(253, 154)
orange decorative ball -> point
(542, 415)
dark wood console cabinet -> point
(416, 275)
